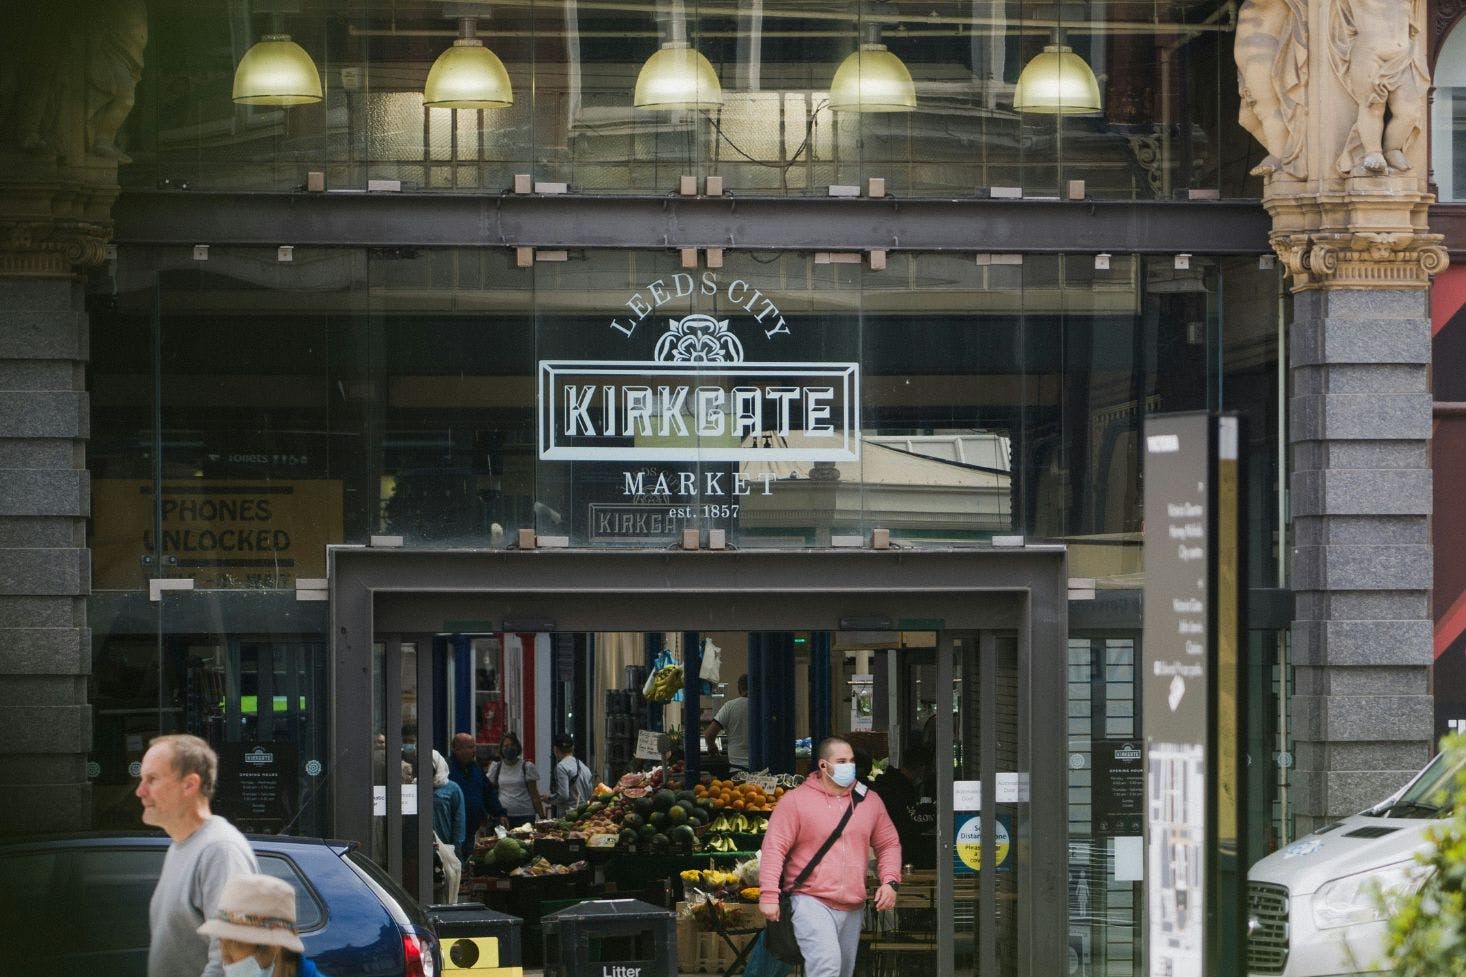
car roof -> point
(149, 839)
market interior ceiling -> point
(786, 29)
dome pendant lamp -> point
(468, 75)
(677, 76)
(1057, 82)
(276, 71)
(872, 79)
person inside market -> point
(255, 926)
(480, 798)
(732, 720)
(517, 782)
(903, 789)
(828, 901)
(449, 827)
(571, 782)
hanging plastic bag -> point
(711, 669)
(665, 681)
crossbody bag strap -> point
(799, 880)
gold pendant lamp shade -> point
(677, 77)
(276, 71)
(1057, 82)
(872, 79)
(468, 76)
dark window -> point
(309, 912)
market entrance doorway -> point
(985, 875)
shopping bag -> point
(779, 941)
(761, 964)
(447, 869)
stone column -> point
(45, 567)
(67, 72)
(1335, 90)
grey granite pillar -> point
(1361, 500)
(45, 568)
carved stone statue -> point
(67, 78)
(1271, 51)
(1377, 49)
(114, 66)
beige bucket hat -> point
(256, 909)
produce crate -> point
(528, 892)
(561, 851)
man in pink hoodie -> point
(827, 905)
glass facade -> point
(1167, 85)
(1448, 120)
(249, 411)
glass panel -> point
(42, 895)
(768, 116)
(1448, 119)
(1105, 806)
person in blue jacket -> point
(255, 924)
(480, 799)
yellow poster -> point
(225, 534)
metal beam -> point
(452, 220)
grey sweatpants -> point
(828, 938)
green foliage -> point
(1427, 936)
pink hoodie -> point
(802, 820)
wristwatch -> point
(893, 884)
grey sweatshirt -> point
(194, 873)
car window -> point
(99, 896)
(309, 913)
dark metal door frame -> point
(1022, 589)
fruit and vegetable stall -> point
(652, 836)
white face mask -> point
(843, 774)
(248, 967)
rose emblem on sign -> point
(698, 338)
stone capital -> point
(1370, 232)
(54, 219)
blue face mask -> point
(248, 967)
(843, 774)
(409, 751)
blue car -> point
(78, 904)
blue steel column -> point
(464, 721)
(691, 705)
(758, 698)
(779, 682)
(820, 693)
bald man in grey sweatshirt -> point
(175, 784)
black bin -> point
(476, 941)
(611, 938)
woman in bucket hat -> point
(255, 924)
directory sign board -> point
(1190, 667)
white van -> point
(1313, 908)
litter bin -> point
(476, 941)
(611, 938)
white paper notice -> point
(646, 745)
(379, 800)
(1129, 859)
(967, 795)
(1012, 788)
